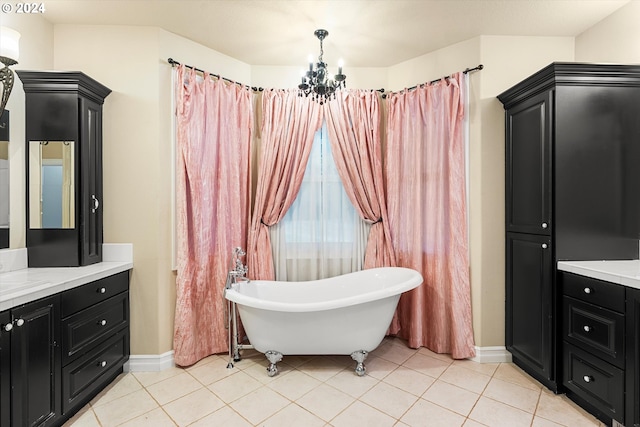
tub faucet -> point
(236, 273)
(238, 269)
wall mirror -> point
(4, 180)
(51, 184)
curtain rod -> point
(466, 71)
(173, 63)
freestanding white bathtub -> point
(347, 314)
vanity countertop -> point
(24, 285)
(626, 273)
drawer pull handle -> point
(587, 328)
(8, 327)
(102, 290)
(103, 322)
(587, 378)
(587, 290)
(102, 364)
(19, 322)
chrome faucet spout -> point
(239, 270)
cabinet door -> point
(91, 181)
(528, 165)
(530, 305)
(5, 370)
(35, 363)
(632, 416)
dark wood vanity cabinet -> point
(632, 418)
(64, 167)
(30, 358)
(95, 337)
(571, 184)
(593, 347)
(5, 369)
(57, 353)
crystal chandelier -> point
(316, 81)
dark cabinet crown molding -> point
(63, 81)
(571, 74)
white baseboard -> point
(160, 362)
(149, 362)
(496, 354)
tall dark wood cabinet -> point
(572, 185)
(64, 167)
(632, 415)
(529, 308)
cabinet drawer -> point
(85, 376)
(84, 329)
(595, 381)
(597, 330)
(598, 292)
(92, 293)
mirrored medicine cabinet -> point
(63, 116)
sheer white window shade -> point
(321, 235)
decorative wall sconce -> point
(9, 54)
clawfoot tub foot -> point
(273, 357)
(359, 357)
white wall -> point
(615, 39)
(435, 65)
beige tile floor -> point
(403, 387)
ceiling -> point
(365, 33)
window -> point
(321, 234)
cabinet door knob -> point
(587, 290)
(103, 322)
(544, 246)
(587, 378)
(102, 364)
(19, 322)
(587, 328)
(102, 290)
(544, 225)
(96, 203)
(8, 327)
